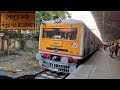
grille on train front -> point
(61, 68)
(64, 50)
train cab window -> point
(60, 33)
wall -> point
(16, 45)
(31, 43)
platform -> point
(98, 66)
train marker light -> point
(38, 56)
(42, 21)
(71, 60)
(57, 19)
(64, 60)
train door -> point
(91, 43)
(88, 38)
(94, 44)
(86, 48)
(0, 43)
(85, 41)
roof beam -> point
(112, 26)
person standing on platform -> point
(112, 48)
(104, 47)
(116, 49)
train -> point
(63, 44)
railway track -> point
(47, 74)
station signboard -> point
(18, 21)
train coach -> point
(64, 43)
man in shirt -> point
(116, 49)
(112, 48)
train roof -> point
(65, 21)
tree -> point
(48, 15)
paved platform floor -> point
(99, 66)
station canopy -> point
(108, 22)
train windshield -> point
(60, 33)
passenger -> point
(99, 47)
(69, 36)
(105, 47)
(64, 36)
(112, 48)
(116, 49)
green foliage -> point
(31, 52)
(116, 41)
(48, 15)
(119, 40)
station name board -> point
(18, 21)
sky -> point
(88, 19)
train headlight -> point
(64, 60)
(38, 56)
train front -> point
(59, 45)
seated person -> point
(69, 36)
